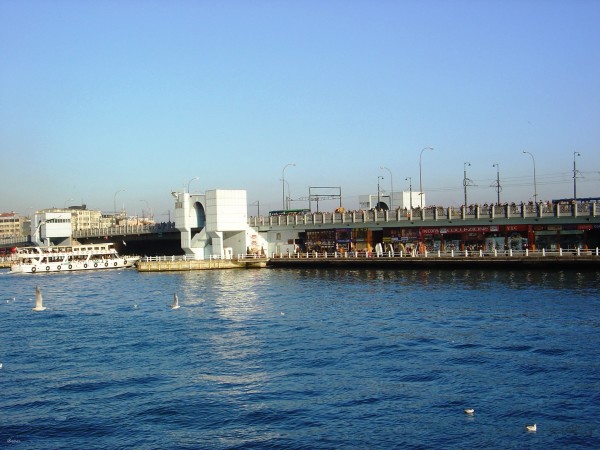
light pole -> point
(378, 190)
(392, 187)
(410, 190)
(188, 185)
(466, 180)
(257, 204)
(498, 188)
(421, 175)
(115, 201)
(575, 176)
(534, 181)
(148, 210)
(283, 183)
(287, 198)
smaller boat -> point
(69, 258)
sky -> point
(121, 102)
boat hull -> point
(72, 266)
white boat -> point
(69, 258)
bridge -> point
(165, 239)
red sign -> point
(475, 229)
(517, 227)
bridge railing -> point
(433, 213)
(15, 240)
(124, 230)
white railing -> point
(123, 230)
(439, 254)
(433, 213)
(14, 240)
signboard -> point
(517, 227)
(473, 229)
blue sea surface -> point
(310, 358)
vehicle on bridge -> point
(69, 258)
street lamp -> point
(498, 188)
(392, 187)
(115, 201)
(378, 196)
(534, 181)
(257, 204)
(466, 181)
(575, 176)
(283, 183)
(409, 190)
(188, 185)
(288, 196)
(148, 210)
(421, 175)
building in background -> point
(397, 200)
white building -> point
(393, 201)
(52, 227)
(215, 224)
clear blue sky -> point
(146, 95)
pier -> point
(182, 263)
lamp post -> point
(148, 210)
(257, 204)
(283, 183)
(498, 188)
(410, 190)
(466, 180)
(421, 175)
(534, 181)
(391, 186)
(378, 190)
(575, 175)
(288, 196)
(188, 185)
(115, 201)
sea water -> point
(310, 358)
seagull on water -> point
(175, 304)
(469, 411)
(531, 428)
(38, 300)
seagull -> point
(469, 411)
(0, 365)
(175, 304)
(531, 428)
(38, 300)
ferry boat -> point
(69, 258)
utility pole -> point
(466, 181)
(575, 175)
(498, 187)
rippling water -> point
(301, 359)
